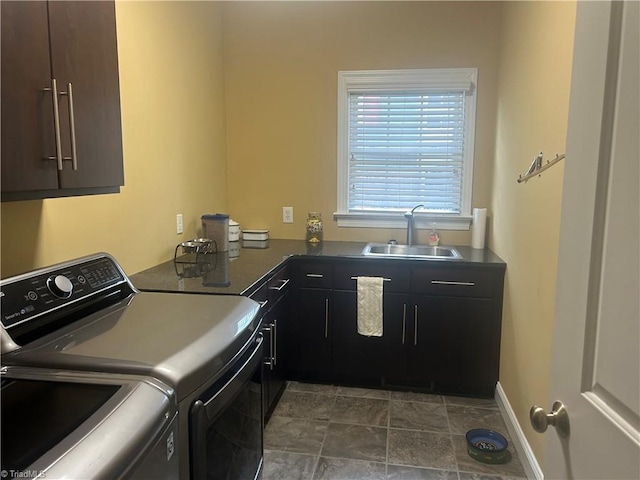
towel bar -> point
(385, 279)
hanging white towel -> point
(370, 306)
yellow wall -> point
(281, 61)
(172, 99)
(533, 102)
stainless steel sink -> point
(411, 251)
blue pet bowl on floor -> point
(487, 446)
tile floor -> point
(339, 433)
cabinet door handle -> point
(269, 360)
(415, 324)
(404, 321)
(326, 318)
(446, 282)
(72, 127)
(263, 303)
(284, 282)
(272, 348)
(315, 275)
(56, 122)
(275, 341)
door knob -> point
(558, 417)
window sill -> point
(397, 220)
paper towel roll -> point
(478, 231)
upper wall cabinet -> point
(61, 126)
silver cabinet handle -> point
(415, 324)
(315, 275)
(326, 317)
(272, 348)
(404, 321)
(56, 122)
(445, 282)
(284, 282)
(275, 341)
(269, 360)
(72, 127)
(263, 303)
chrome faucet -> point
(411, 224)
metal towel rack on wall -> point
(536, 167)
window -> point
(405, 137)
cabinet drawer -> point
(314, 275)
(278, 285)
(453, 282)
(396, 278)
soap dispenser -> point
(434, 236)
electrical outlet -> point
(287, 214)
(179, 224)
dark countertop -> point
(226, 274)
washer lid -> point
(183, 340)
(71, 425)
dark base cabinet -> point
(273, 294)
(441, 326)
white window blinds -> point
(405, 149)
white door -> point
(596, 357)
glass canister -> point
(314, 227)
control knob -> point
(60, 286)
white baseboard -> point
(527, 457)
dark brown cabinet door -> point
(73, 43)
(27, 112)
(309, 335)
(84, 53)
(368, 361)
(275, 350)
(454, 344)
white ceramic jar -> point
(234, 231)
